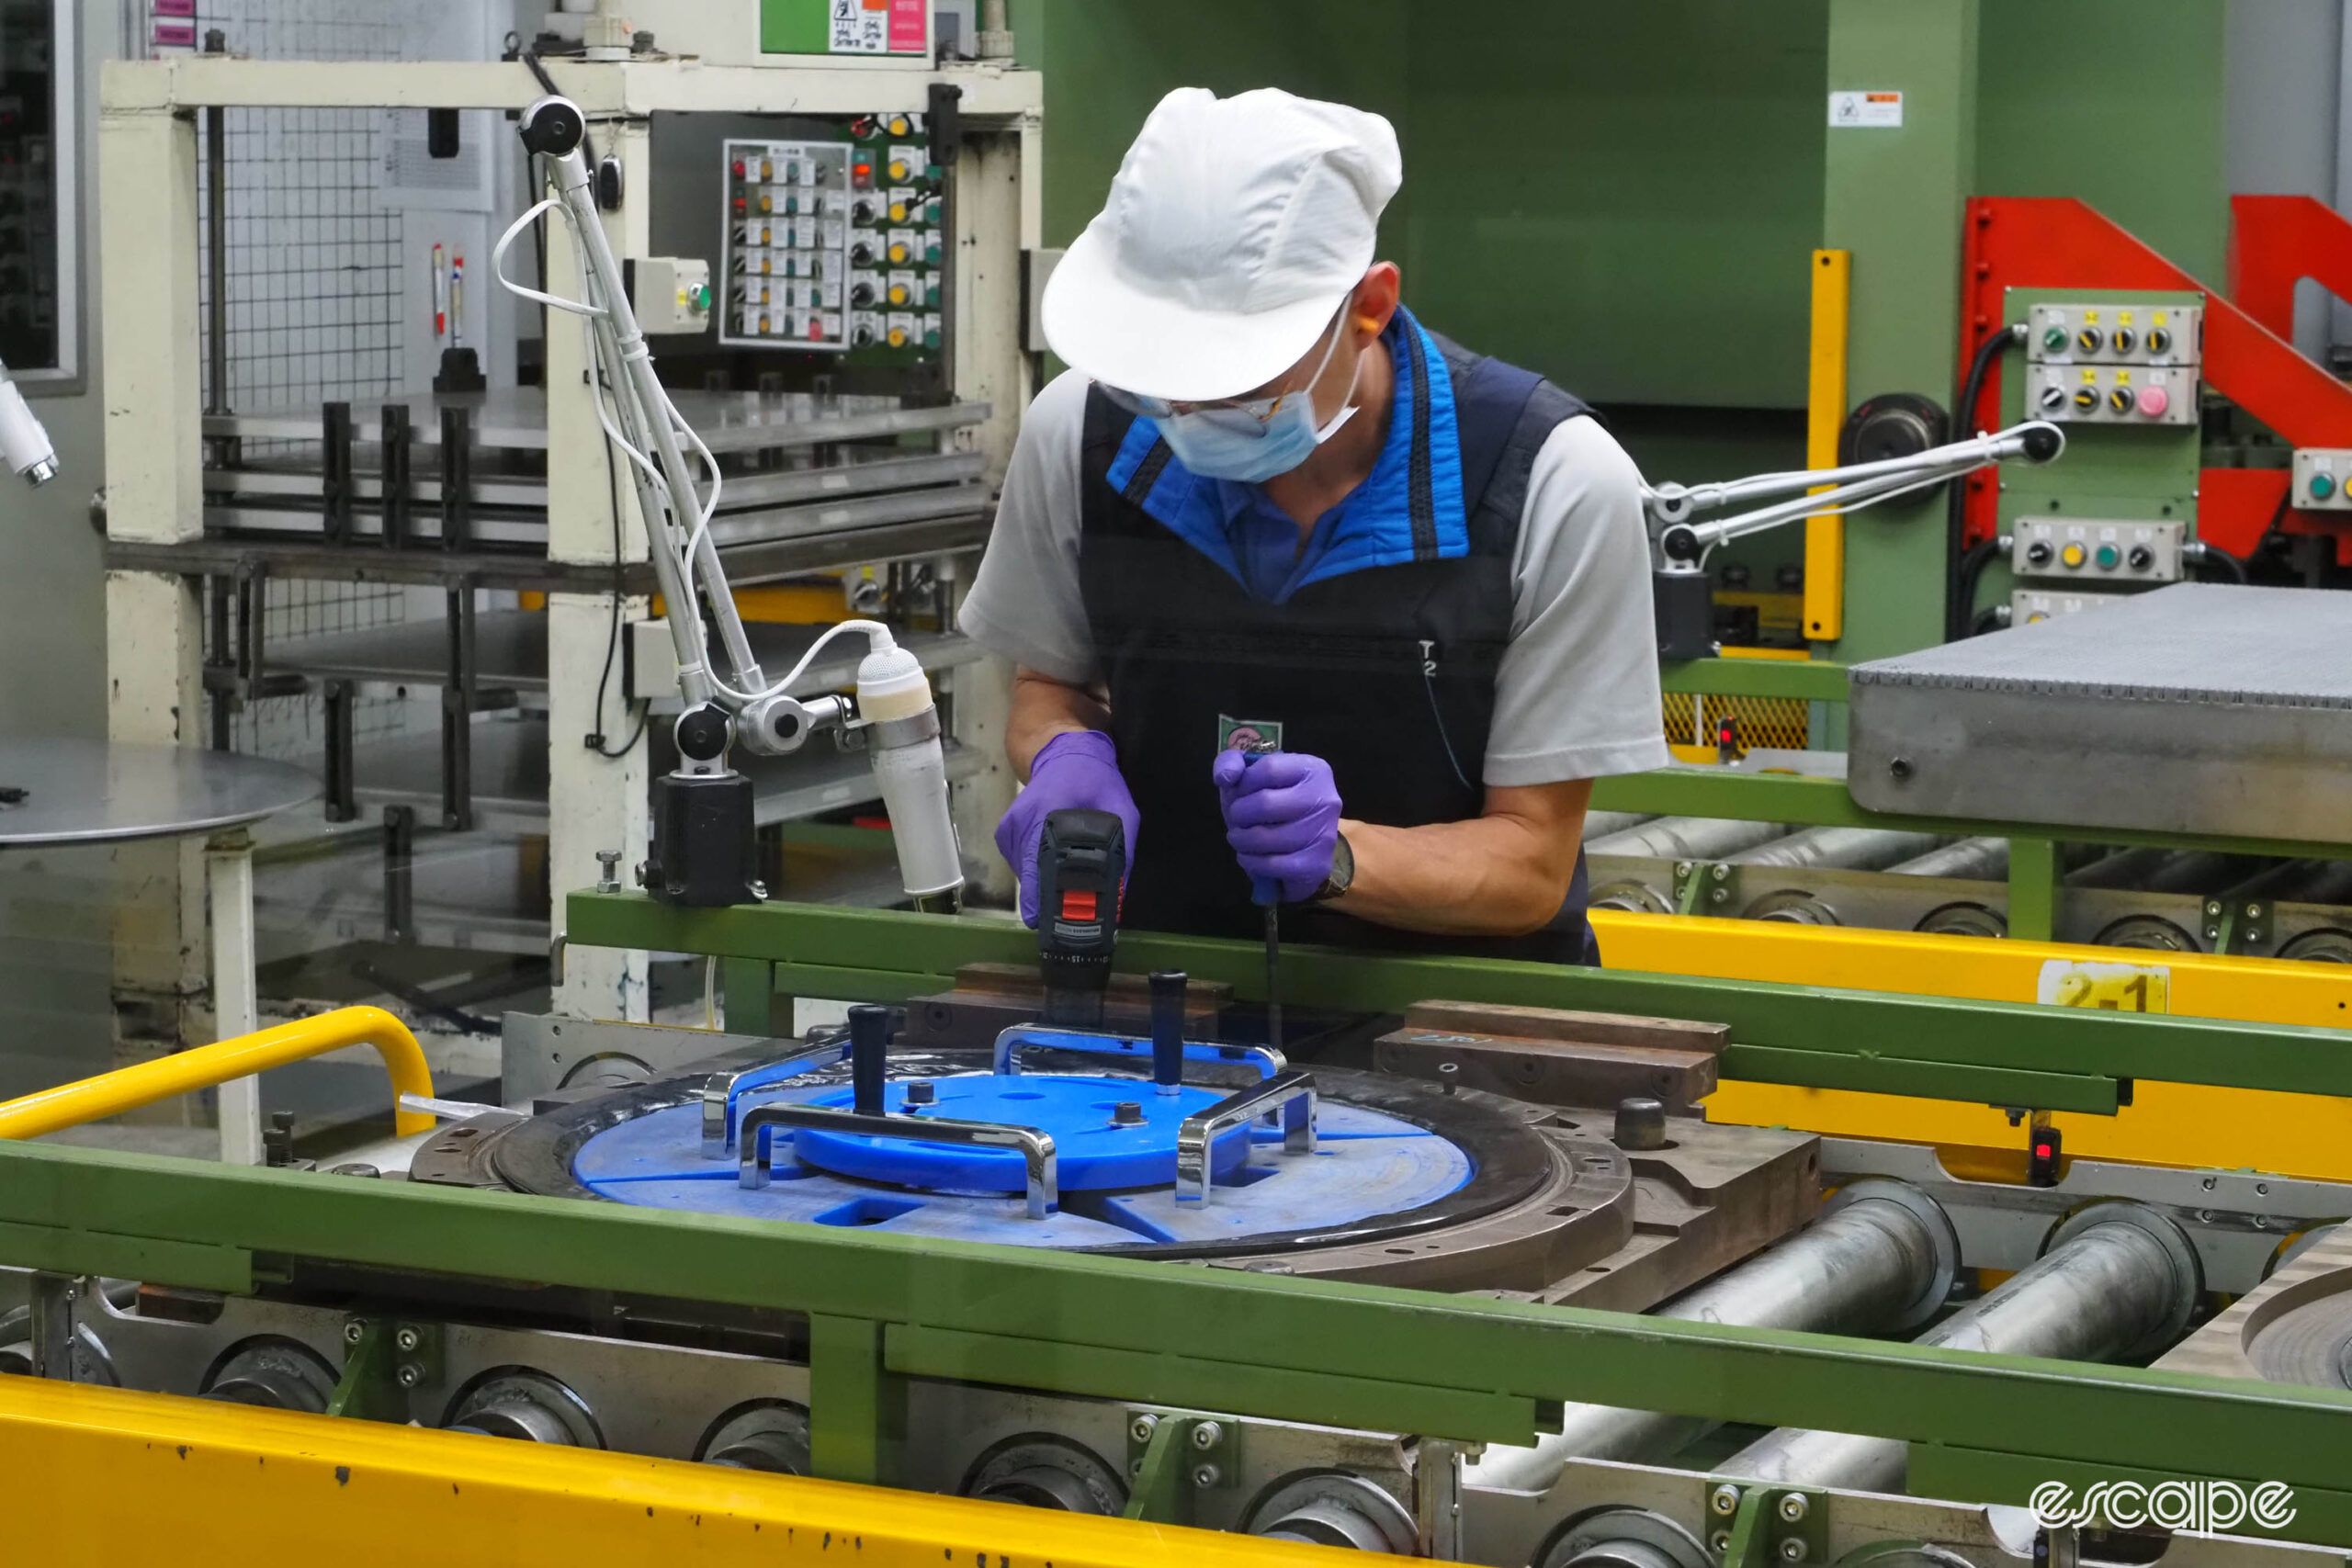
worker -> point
(1267, 508)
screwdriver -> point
(1265, 890)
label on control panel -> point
(1873, 110)
(2106, 987)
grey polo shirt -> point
(1577, 693)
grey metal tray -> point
(2197, 708)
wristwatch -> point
(1343, 874)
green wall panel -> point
(2117, 102)
(1622, 196)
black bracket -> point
(336, 473)
(399, 873)
(342, 773)
(457, 478)
(457, 713)
(395, 482)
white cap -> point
(1233, 232)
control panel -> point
(2319, 478)
(2028, 605)
(2089, 550)
(836, 246)
(786, 253)
(2113, 364)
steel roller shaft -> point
(1973, 860)
(1850, 849)
(1685, 838)
(2103, 1295)
(1855, 1271)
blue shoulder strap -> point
(1488, 402)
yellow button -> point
(897, 212)
(898, 294)
(898, 337)
(898, 125)
(898, 251)
(898, 168)
(2071, 555)
(765, 206)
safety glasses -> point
(1247, 417)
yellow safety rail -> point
(205, 1067)
(1825, 537)
(125, 1475)
(2167, 1124)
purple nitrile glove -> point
(1281, 816)
(1077, 767)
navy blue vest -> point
(1387, 673)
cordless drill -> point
(1081, 862)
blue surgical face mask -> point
(1234, 444)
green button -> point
(702, 297)
(2054, 339)
(2322, 486)
(2108, 558)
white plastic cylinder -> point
(912, 775)
(24, 444)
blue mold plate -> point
(1093, 1152)
(1366, 1164)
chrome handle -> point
(721, 1091)
(1005, 1058)
(1291, 1093)
(1043, 1173)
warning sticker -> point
(1866, 110)
(876, 26)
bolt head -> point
(1720, 895)
(2254, 911)
(1141, 1428)
(1719, 1542)
(1207, 1475)
(354, 1332)
(1792, 1507)
(1792, 1551)
(408, 1339)
(1722, 873)
(1682, 868)
(411, 1374)
(1724, 1500)
(1207, 1435)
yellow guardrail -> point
(205, 1066)
(128, 1475)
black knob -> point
(704, 733)
(2088, 340)
(2037, 553)
(1168, 1026)
(553, 125)
(922, 1092)
(1641, 1123)
(2159, 340)
(2141, 558)
(2123, 339)
(861, 294)
(1127, 1113)
(870, 1044)
(2054, 398)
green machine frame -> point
(883, 1309)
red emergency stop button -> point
(2153, 401)
(1078, 905)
